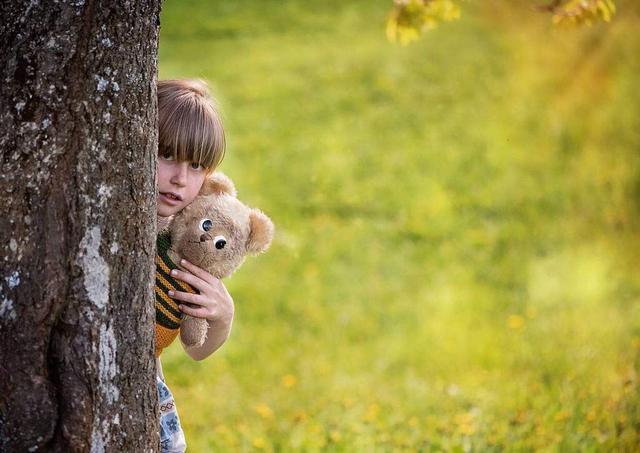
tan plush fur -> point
(244, 230)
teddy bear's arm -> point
(217, 333)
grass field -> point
(457, 257)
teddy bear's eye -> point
(206, 224)
(220, 242)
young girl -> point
(191, 145)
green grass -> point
(456, 258)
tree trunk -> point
(78, 145)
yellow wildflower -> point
(372, 412)
(562, 415)
(467, 429)
(465, 423)
(289, 380)
(259, 443)
(515, 322)
(264, 411)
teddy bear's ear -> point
(218, 183)
(261, 232)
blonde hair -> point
(189, 123)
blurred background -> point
(457, 250)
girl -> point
(191, 144)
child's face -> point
(178, 184)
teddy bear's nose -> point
(205, 237)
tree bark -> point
(78, 143)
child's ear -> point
(217, 183)
(261, 232)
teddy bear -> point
(215, 232)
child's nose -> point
(180, 173)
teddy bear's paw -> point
(193, 331)
(190, 341)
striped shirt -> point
(168, 315)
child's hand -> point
(214, 302)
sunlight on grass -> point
(455, 264)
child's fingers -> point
(190, 298)
(195, 312)
(197, 271)
(196, 282)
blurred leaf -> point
(409, 18)
(582, 12)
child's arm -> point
(213, 303)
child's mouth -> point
(171, 197)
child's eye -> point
(196, 166)
(167, 156)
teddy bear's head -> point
(216, 231)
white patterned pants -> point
(171, 435)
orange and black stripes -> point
(168, 315)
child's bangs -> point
(192, 133)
